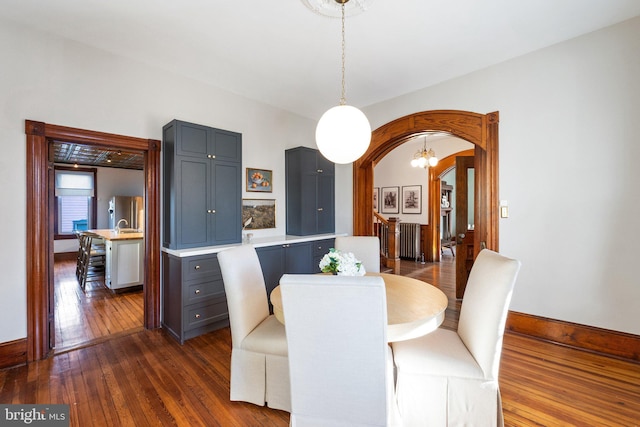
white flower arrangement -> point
(341, 263)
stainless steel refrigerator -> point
(129, 208)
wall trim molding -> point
(13, 353)
(611, 343)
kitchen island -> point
(124, 257)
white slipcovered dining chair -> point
(259, 364)
(450, 377)
(364, 248)
(340, 364)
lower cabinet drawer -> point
(201, 267)
(200, 314)
(199, 291)
(321, 247)
(316, 264)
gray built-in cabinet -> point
(291, 258)
(193, 300)
(202, 195)
(202, 186)
(310, 188)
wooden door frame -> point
(479, 129)
(40, 236)
(435, 173)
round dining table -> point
(414, 308)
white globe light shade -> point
(433, 161)
(343, 134)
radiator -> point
(410, 240)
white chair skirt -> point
(258, 378)
(445, 387)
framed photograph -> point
(376, 196)
(259, 180)
(412, 199)
(389, 200)
(258, 213)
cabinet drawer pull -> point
(197, 267)
(211, 211)
(320, 171)
(211, 156)
(197, 291)
(197, 316)
(320, 209)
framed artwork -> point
(376, 196)
(258, 213)
(412, 199)
(259, 180)
(389, 200)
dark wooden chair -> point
(91, 260)
(448, 241)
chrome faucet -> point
(118, 224)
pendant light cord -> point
(343, 98)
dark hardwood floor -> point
(145, 378)
(82, 318)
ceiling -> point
(283, 54)
(87, 155)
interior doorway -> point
(88, 306)
(479, 129)
(436, 173)
(40, 262)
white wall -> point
(395, 170)
(62, 82)
(569, 134)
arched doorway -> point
(479, 129)
(40, 238)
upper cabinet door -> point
(194, 140)
(324, 165)
(227, 145)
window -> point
(75, 201)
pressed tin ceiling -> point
(87, 155)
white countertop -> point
(256, 242)
(112, 235)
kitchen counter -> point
(111, 235)
(125, 258)
(256, 242)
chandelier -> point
(424, 158)
(343, 133)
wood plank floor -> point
(93, 315)
(146, 378)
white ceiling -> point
(281, 53)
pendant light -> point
(424, 158)
(343, 133)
